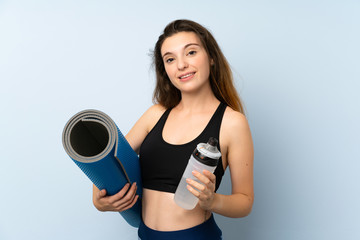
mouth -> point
(186, 76)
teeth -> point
(187, 75)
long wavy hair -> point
(221, 78)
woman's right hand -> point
(121, 201)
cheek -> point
(206, 69)
(170, 72)
(205, 65)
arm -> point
(240, 157)
(237, 149)
(127, 197)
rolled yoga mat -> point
(94, 142)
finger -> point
(210, 175)
(195, 184)
(127, 201)
(126, 207)
(128, 197)
(119, 195)
(132, 190)
(193, 191)
(201, 177)
(101, 194)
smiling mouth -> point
(187, 75)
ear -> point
(212, 62)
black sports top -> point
(162, 164)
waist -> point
(160, 212)
(208, 230)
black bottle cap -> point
(213, 141)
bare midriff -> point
(161, 213)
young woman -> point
(195, 99)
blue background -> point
(296, 66)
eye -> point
(169, 60)
(192, 52)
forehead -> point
(178, 41)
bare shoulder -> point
(143, 126)
(237, 142)
(156, 109)
(234, 121)
(235, 131)
(151, 116)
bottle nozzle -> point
(213, 141)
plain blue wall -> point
(296, 66)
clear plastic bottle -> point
(204, 157)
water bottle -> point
(204, 157)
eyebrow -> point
(186, 46)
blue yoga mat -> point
(94, 142)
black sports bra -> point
(162, 164)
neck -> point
(198, 101)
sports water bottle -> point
(204, 157)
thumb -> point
(102, 193)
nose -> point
(182, 64)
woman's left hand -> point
(206, 188)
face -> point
(186, 62)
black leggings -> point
(207, 230)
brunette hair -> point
(221, 78)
